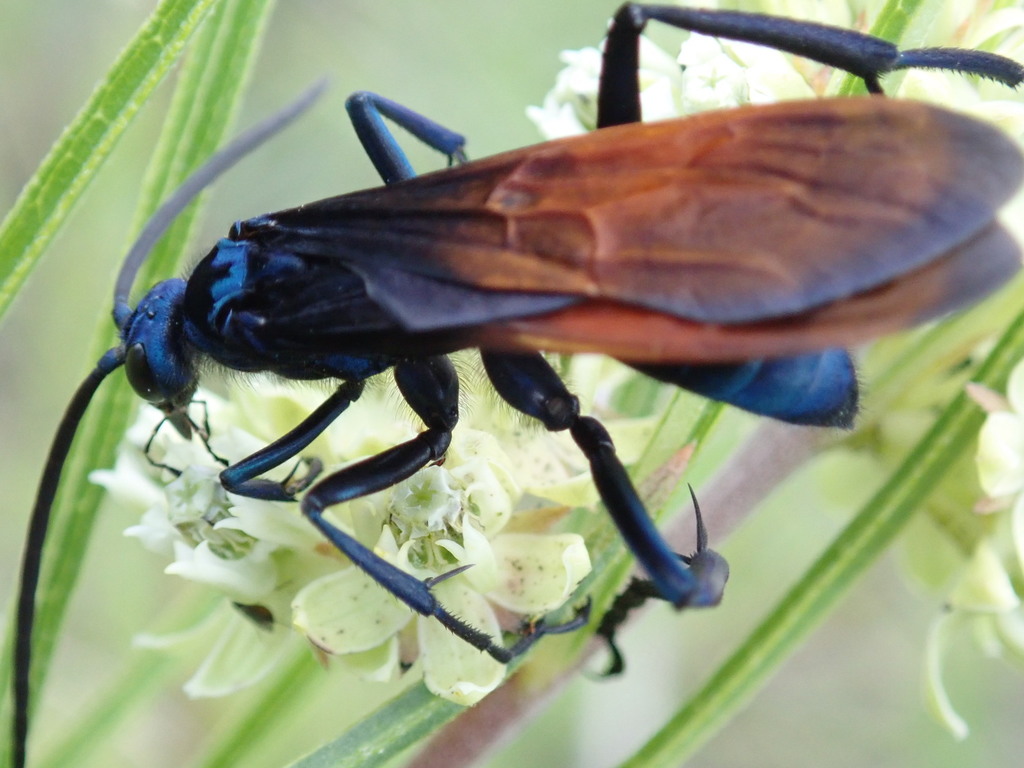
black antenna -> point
(32, 557)
(39, 522)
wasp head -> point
(157, 362)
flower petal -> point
(243, 654)
(936, 698)
(128, 482)
(1000, 456)
(347, 612)
(378, 665)
(538, 571)
(155, 532)
(273, 522)
(245, 580)
(1015, 388)
(985, 585)
(1010, 630)
(1017, 529)
(452, 668)
(477, 550)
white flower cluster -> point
(492, 505)
(986, 593)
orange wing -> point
(732, 232)
(643, 336)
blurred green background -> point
(849, 698)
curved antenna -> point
(32, 557)
(39, 522)
(201, 178)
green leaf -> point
(399, 724)
(208, 95)
(49, 196)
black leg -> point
(861, 55)
(241, 478)
(201, 430)
(367, 111)
(531, 385)
(711, 567)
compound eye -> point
(140, 375)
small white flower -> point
(570, 108)
(1000, 457)
(985, 586)
(984, 595)
(1000, 460)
